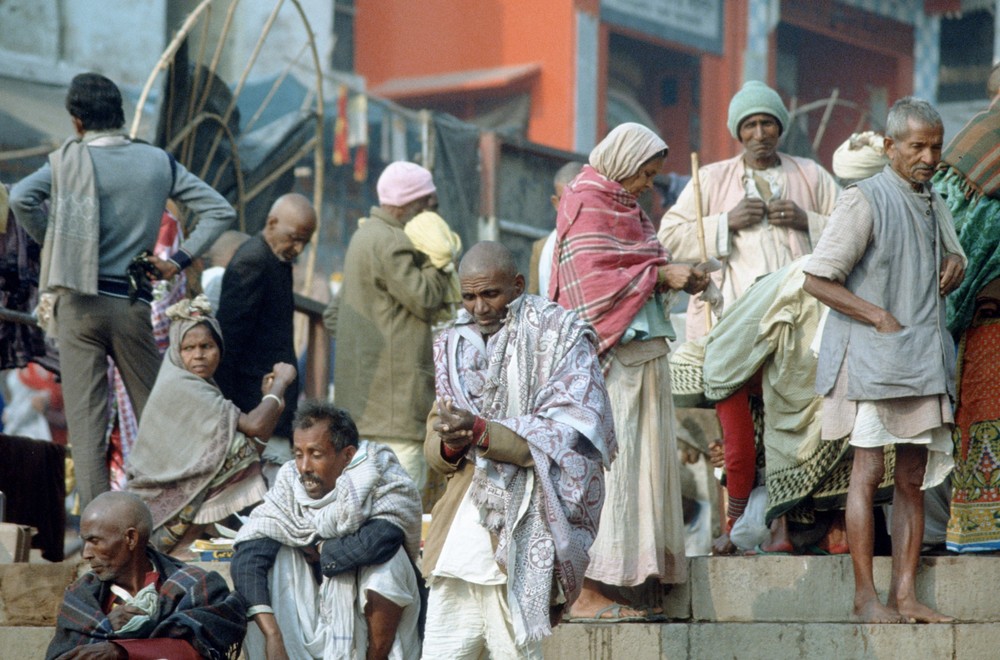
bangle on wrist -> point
(277, 399)
(481, 433)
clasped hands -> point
(454, 425)
(779, 212)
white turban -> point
(861, 156)
(624, 150)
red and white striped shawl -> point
(606, 256)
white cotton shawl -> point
(374, 485)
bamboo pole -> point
(696, 182)
(164, 61)
(826, 119)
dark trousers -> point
(91, 329)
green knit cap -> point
(755, 98)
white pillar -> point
(762, 18)
(926, 56)
(585, 106)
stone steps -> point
(702, 641)
(811, 589)
(771, 641)
(769, 607)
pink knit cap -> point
(402, 182)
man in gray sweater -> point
(106, 197)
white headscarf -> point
(624, 150)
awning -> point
(475, 82)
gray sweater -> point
(134, 182)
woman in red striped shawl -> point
(610, 268)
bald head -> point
(122, 509)
(490, 282)
(488, 257)
(115, 529)
(290, 224)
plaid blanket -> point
(194, 605)
(607, 256)
(975, 153)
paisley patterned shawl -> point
(543, 382)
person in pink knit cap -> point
(383, 374)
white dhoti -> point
(641, 534)
(467, 621)
(327, 621)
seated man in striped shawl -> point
(136, 602)
(348, 506)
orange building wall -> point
(404, 38)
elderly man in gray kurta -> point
(884, 264)
(384, 373)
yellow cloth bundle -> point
(430, 234)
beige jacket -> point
(505, 446)
(754, 251)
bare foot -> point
(835, 541)
(916, 611)
(723, 546)
(778, 546)
(591, 602)
(874, 611)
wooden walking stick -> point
(696, 181)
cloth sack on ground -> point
(750, 529)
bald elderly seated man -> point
(138, 603)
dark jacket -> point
(255, 313)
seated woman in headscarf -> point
(610, 268)
(196, 458)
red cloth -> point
(38, 378)
(156, 649)
(736, 421)
(607, 256)
(341, 152)
(166, 239)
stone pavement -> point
(771, 608)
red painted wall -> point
(403, 38)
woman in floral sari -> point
(196, 458)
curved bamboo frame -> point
(197, 115)
(237, 168)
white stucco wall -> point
(283, 43)
(52, 40)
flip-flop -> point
(614, 608)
